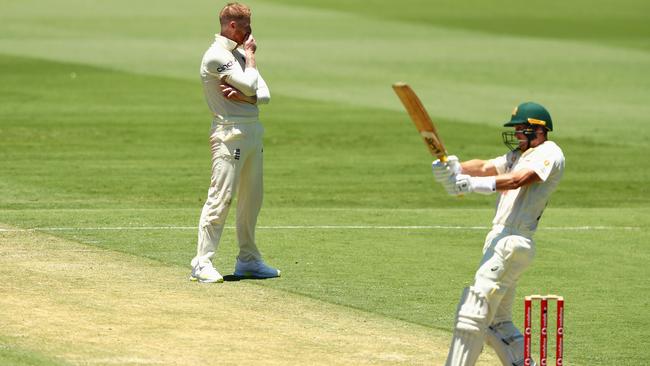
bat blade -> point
(421, 119)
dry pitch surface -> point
(89, 306)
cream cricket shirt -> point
(522, 208)
(224, 60)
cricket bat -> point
(421, 119)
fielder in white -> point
(233, 89)
(523, 180)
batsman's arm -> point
(465, 183)
(478, 168)
(514, 180)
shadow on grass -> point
(233, 278)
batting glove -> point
(454, 164)
(442, 171)
(467, 184)
(450, 186)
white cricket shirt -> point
(521, 208)
(224, 59)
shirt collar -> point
(229, 44)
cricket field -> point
(105, 166)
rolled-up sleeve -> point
(263, 92)
(500, 163)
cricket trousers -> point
(485, 309)
(237, 164)
(507, 253)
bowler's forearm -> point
(248, 99)
(245, 82)
(250, 60)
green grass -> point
(12, 355)
(103, 124)
(460, 73)
(622, 23)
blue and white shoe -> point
(255, 269)
(207, 274)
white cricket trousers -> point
(237, 152)
(488, 302)
(506, 255)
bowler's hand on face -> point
(250, 44)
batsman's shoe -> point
(255, 269)
(207, 274)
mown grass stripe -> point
(318, 227)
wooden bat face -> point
(421, 119)
(434, 145)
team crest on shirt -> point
(546, 162)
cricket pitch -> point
(84, 305)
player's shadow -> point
(233, 278)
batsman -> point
(523, 180)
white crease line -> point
(318, 227)
(592, 228)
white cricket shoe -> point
(207, 274)
(255, 269)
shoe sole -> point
(195, 279)
(253, 275)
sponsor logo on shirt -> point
(225, 67)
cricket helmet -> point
(530, 113)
